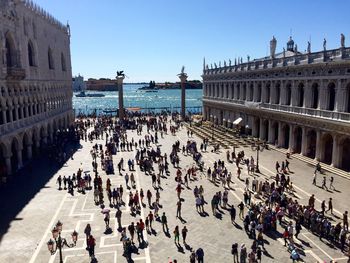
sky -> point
(153, 39)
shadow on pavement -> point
(23, 186)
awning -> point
(133, 109)
(237, 121)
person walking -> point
(331, 181)
(233, 214)
(314, 178)
(200, 255)
(330, 205)
(184, 234)
(176, 235)
(193, 257)
(345, 221)
(87, 232)
(324, 183)
(234, 252)
(91, 246)
(118, 215)
(178, 209)
(165, 223)
(241, 210)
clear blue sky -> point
(152, 39)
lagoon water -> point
(133, 97)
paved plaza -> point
(29, 218)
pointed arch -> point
(11, 56)
(63, 63)
(31, 54)
(50, 59)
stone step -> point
(325, 167)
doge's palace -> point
(35, 82)
(295, 100)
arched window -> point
(251, 93)
(238, 94)
(289, 95)
(301, 95)
(259, 93)
(63, 62)
(267, 98)
(50, 59)
(314, 96)
(278, 95)
(244, 92)
(31, 57)
(10, 52)
(331, 96)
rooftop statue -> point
(308, 47)
(273, 44)
(183, 70)
(225, 63)
(241, 60)
(211, 66)
(235, 62)
(120, 73)
(248, 58)
(324, 44)
(296, 48)
(284, 52)
(229, 62)
(342, 40)
(219, 64)
(215, 65)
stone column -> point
(280, 138)
(262, 134)
(291, 139)
(19, 159)
(254, 128)
(341, 97)
(29, 151)
(263, 91)
(304, 141)
(308, 94)
(271, 133)
(273, 92)
(283, 98)
(183, 78)
(323, 96)
(8, 164)
(336, 153)
(120, 96)
(319, 147)
(4, 116)
(294, 94)
(10, 114)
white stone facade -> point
(297, 101)
(35, 81)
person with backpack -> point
(234, 252)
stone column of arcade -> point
(120, 78)
(183, 78)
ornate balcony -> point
(15, 73)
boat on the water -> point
(151, 90)
(83, 94)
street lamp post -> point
(258, 148)
(59, 241)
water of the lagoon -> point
(133, 97)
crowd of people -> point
(269, 206)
